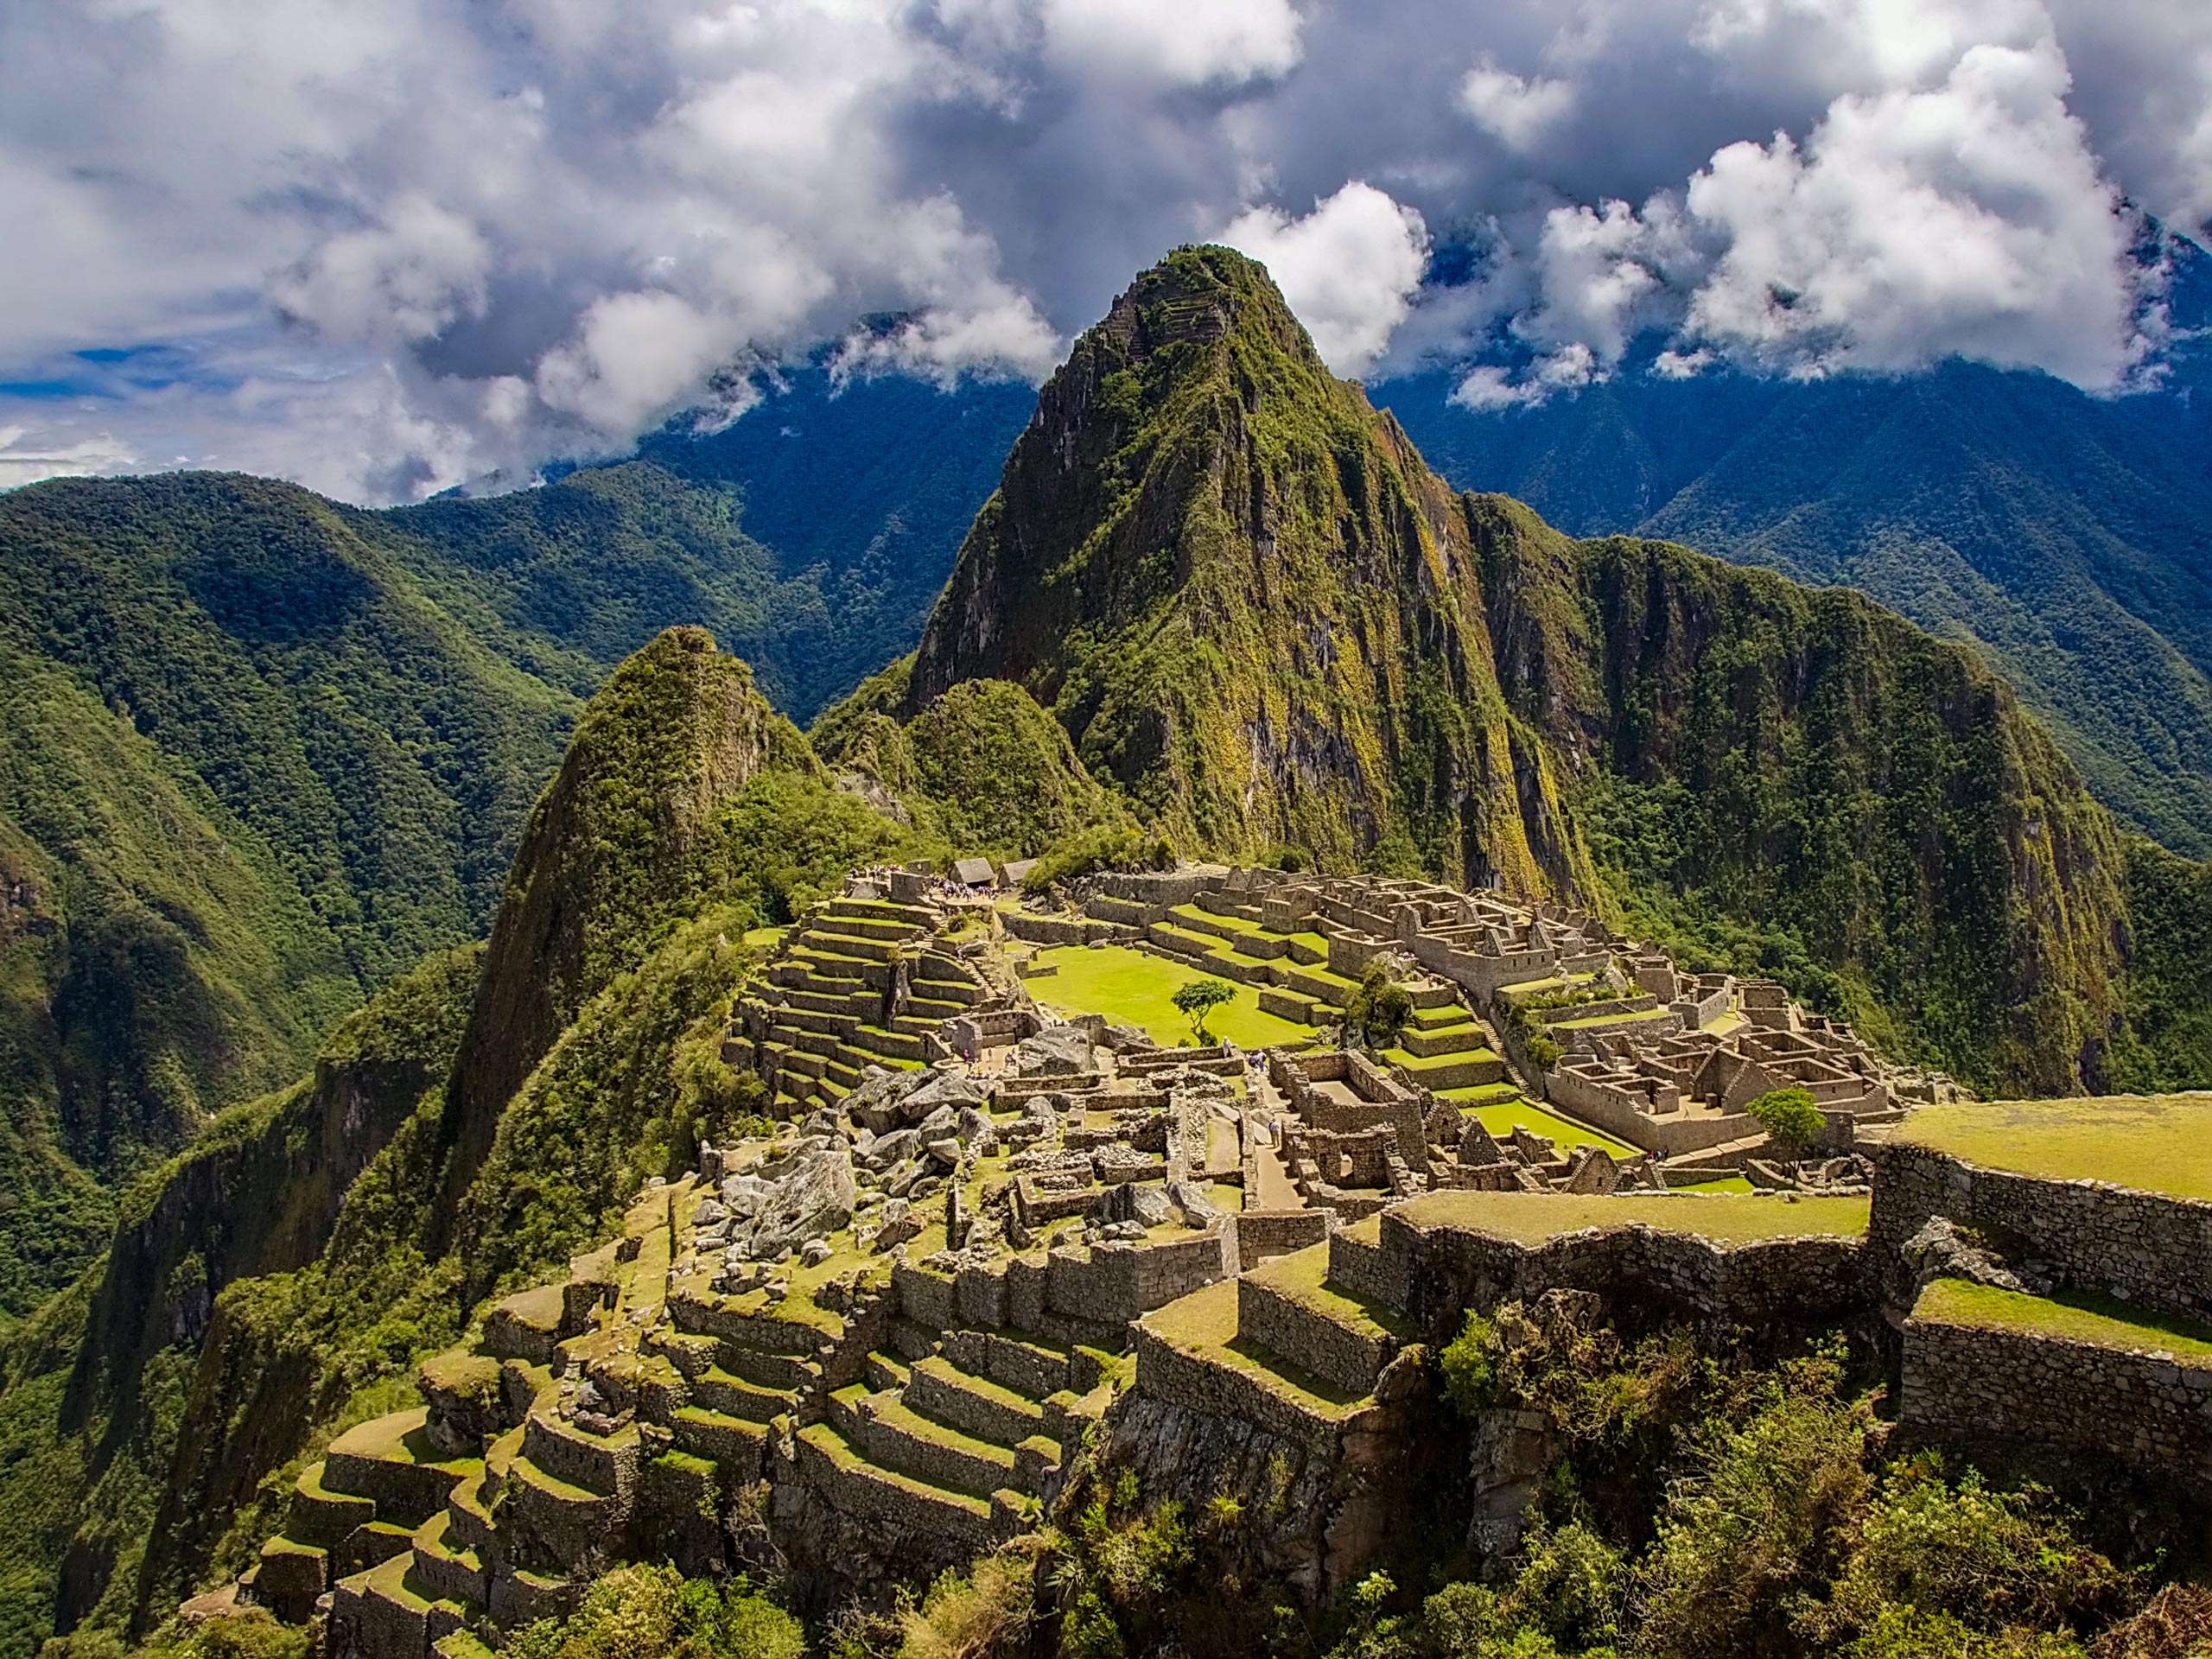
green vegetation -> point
(1132, 987)
(2097, 1320)
(1377, 1012)
(2160, 1143)
(646, 1613)
(1194, 999)
(1801, 786)
(2055, 531)
(1744, 1512)
(1790, 1119)
(1532, 1218)
(2167, 1041)
(1099, 850)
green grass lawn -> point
(1499, 1118)
(2161, 1143)
(2095, 1320)
(1611, 1019)
(1532, 1218)
(1133, 989)
(1719, 1184)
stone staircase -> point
(856, 985)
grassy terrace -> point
(1611, 1019)
(1204, 1324)
(1728, 1217)
(1500, 1116)
(1302, 1277)
(2160, 1143)
(2097, 1320)
(1132, 987)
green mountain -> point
(267, 751)
(1255, 611)
(1217, 597)
(2060, 535)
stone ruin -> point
(1662, 1060)
(978, 1226)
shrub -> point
(250, 1635)
(1468, 1363)
(965, 1616)
(646, 1612)
(1994, 1560)
(1749, 1540)
(1788, 1116)
(1379, 1008)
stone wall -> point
(1647, 1275)
(1043, 929)
(1262, 1233)
(2151, 1251)
(1172, 1377)
(1976, 1388)
(1114, 1284)
(1611, 1110)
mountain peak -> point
(1202, 293)
(1224, 571)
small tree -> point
(1788, 1116)
(1197, 998)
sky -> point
(387, 247)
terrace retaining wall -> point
(1646, 1274)
(2145, 1248)
(1972, 1388)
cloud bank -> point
(388, 247)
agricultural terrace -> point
(2096, 1320)
(1500, 1117)
(1727, 1218)
(1132, 987)
(2157, 1143)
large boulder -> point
(1055, 1051)
(810, 1197)
(943, 1090)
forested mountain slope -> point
(266, 750)
(2065, 536)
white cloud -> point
(1971, 218)
(1349, 269)
(408, 278)
(388, 244)
(1519, 112)
(1175, 42)
(25, 457)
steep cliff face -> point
(616, 848)
(1247, 601)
